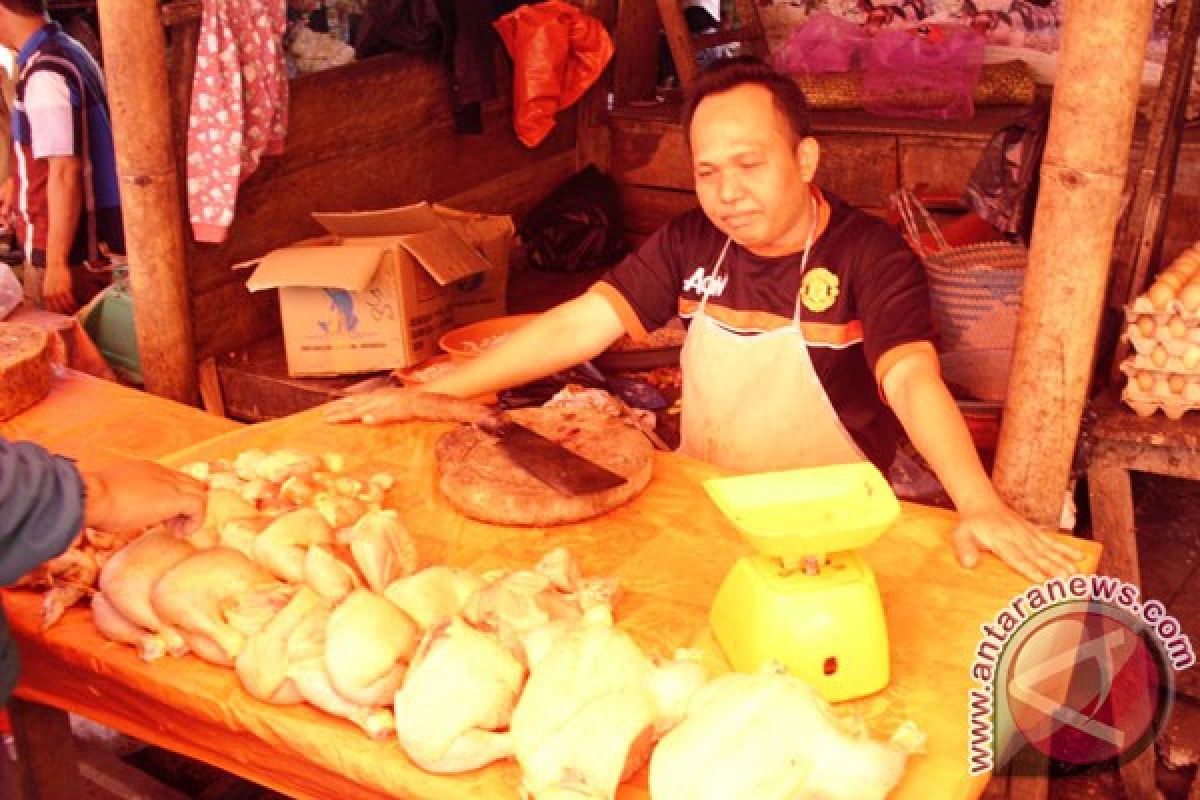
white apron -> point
(754, 403)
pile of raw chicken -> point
(308, 588)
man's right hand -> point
(379, 407)
(384, 406)
(56, 290)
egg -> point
(1186, 266)
(1172, 279)
(1177, 383)
(1190, 298)
(1162, 389)
(1146, 326)
(1191, 357)
(1177, 328)
(1191, 392)
(1145, 380)
(1158, 356)
(1160, 295)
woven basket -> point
(975, 297)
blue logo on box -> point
(344, 319)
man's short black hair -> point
(32, 7)
(730, 73)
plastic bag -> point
(11, 293)
(930, 71)
(577, 227)
(558, 52)
(824, 43)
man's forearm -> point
(937, 428)
(562, 337)
(64, 200)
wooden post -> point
(136, 73)
(1082, 177)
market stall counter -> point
(669, 547)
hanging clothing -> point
(754, 403)
(456, 32)
(558, 52)
(239, 106)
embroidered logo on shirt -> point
(703, 283)
(819, 289)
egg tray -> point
(1177, 365)
(1142, 305)
(1175, 346)
(1174, 393)
(1144, 405)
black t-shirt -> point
(866, 302)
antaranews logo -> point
(1075, 669)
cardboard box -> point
(482, 296)
(383, 287)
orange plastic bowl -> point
(470, 340)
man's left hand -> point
(56, 290)
(1003, 532)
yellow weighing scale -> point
(805, 599)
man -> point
(64, 191)
(45, 501)
(809, 325)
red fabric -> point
(558, 52)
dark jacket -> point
(41, 511)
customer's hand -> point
(56, 290)
(138, 494)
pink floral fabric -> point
(239, 106)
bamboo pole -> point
(1082, 177)
(136, 73)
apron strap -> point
(814, 210)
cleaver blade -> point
(550, 462)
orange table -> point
(670, 548)
(88, 418)
(96, 422)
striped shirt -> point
(47, 121)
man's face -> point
(750, 175)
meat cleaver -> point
(544, 459)
(547, 460)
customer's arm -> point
(45, 501)
(41, 507)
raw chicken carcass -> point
(193, 596)
(306, 672)
(514, 603)
(589, 713)
(283, 544)
(328, 575)
(457, 699)
(127, 581)
(265, 660)
(368, 645)
(770, 736)
(382, 548)
(433, 595)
